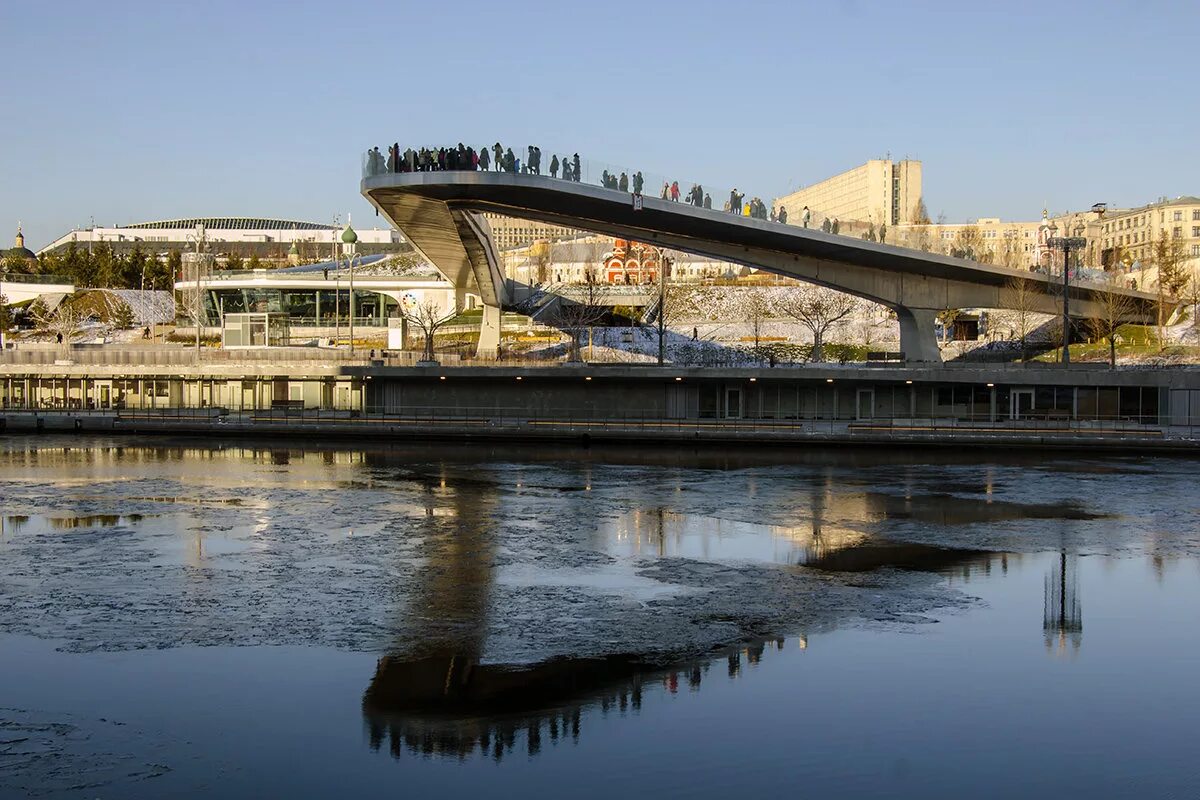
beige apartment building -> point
(1130, 234)
(1016, 244)
(879, 192)
(511, 232)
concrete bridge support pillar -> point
(918, 339)
(489, 332)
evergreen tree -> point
(133, 268)
(158, 274)
(102, 267)
(234, 262)
(174, 269)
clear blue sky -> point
(128, 111)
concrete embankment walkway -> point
(296, 428)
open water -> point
(231, 619)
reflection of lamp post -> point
(349, 241)
(1066, 244)
(1062, 616)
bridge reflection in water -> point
(454, 706)
(438, 696)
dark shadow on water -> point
(948, 509)
(881, 554)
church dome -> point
(19, 250)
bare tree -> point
(539, 262)
(756, 310)
(5, 320)
(65, 321)
(576, 314)
(921, 238)
(1012, 253)
(1020, 297)
(1113, 309)
(867, 326)
(920, 213)
(1168, 257)
(969, 243)
(948, 317)
(428, 317)
(817, 309)
(1191, 295)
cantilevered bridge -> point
(441, 214)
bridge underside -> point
(440, 213)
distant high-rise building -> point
(880, 191)
(509, 232)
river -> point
(194, 618)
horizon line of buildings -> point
(880, 199)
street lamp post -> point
(662, 305)
(3, 313)
(1066, 244)
(199, 261)
(349, 243)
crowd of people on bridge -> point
(464, 158)
(496, 158)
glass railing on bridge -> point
(55, 280)
(614, 177)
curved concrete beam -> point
(434, 210)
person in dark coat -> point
(708, 201)
(782, 215)
(485, 160)
(575, 170)
(623, 182)
(499, 153)
(638, 182)
(553, 166)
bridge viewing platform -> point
(21, 288)
(441, 213)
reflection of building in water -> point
(453, 707)
(839, 536)
(1062, 617)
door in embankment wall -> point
(864, 404)
(1020, 403)
(683, 402)
(733, 403)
